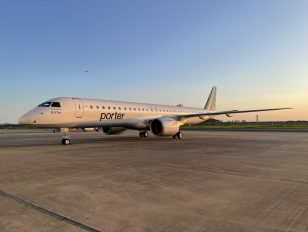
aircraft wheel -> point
(143, 134)
(179, 135)
(66, 141)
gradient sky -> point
(156, 51)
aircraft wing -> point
(230, 112)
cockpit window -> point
(45, 104)
(56, 104)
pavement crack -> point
(49, 212)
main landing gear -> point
(65, 139)
(144, 134)
(178, 135)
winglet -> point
(211, 101)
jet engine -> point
(165, 126)
(113, 130)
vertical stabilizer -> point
(211, 101)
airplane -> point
(115, 117)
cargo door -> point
(78, 108)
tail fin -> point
(211, 101)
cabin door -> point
(78, 107)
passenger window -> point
(134, 109)
(114, 108)
(97, 107)
(119, 108)
(56, 104)
(124, 108)
(103, 107)
(91, 107)
(130, 108)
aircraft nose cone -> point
(25, 119)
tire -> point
(179, 135)
(66, 141)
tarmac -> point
(209, 181)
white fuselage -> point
(69, 112)
(115, 117)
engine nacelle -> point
(165, 126)
(114, 130)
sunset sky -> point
(162, 51)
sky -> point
(156, 51)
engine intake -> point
(165, 126)
(113, 130)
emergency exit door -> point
(78, 107)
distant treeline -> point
(213, 123)
(14, 126)
(210, 123)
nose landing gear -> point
(65, 139)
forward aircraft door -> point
(78, 107)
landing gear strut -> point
(143, 134)
(178, 135)
(65, 139)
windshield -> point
(56, 104)
(45, 104)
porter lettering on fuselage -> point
(116, 115)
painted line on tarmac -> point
(50, 213)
